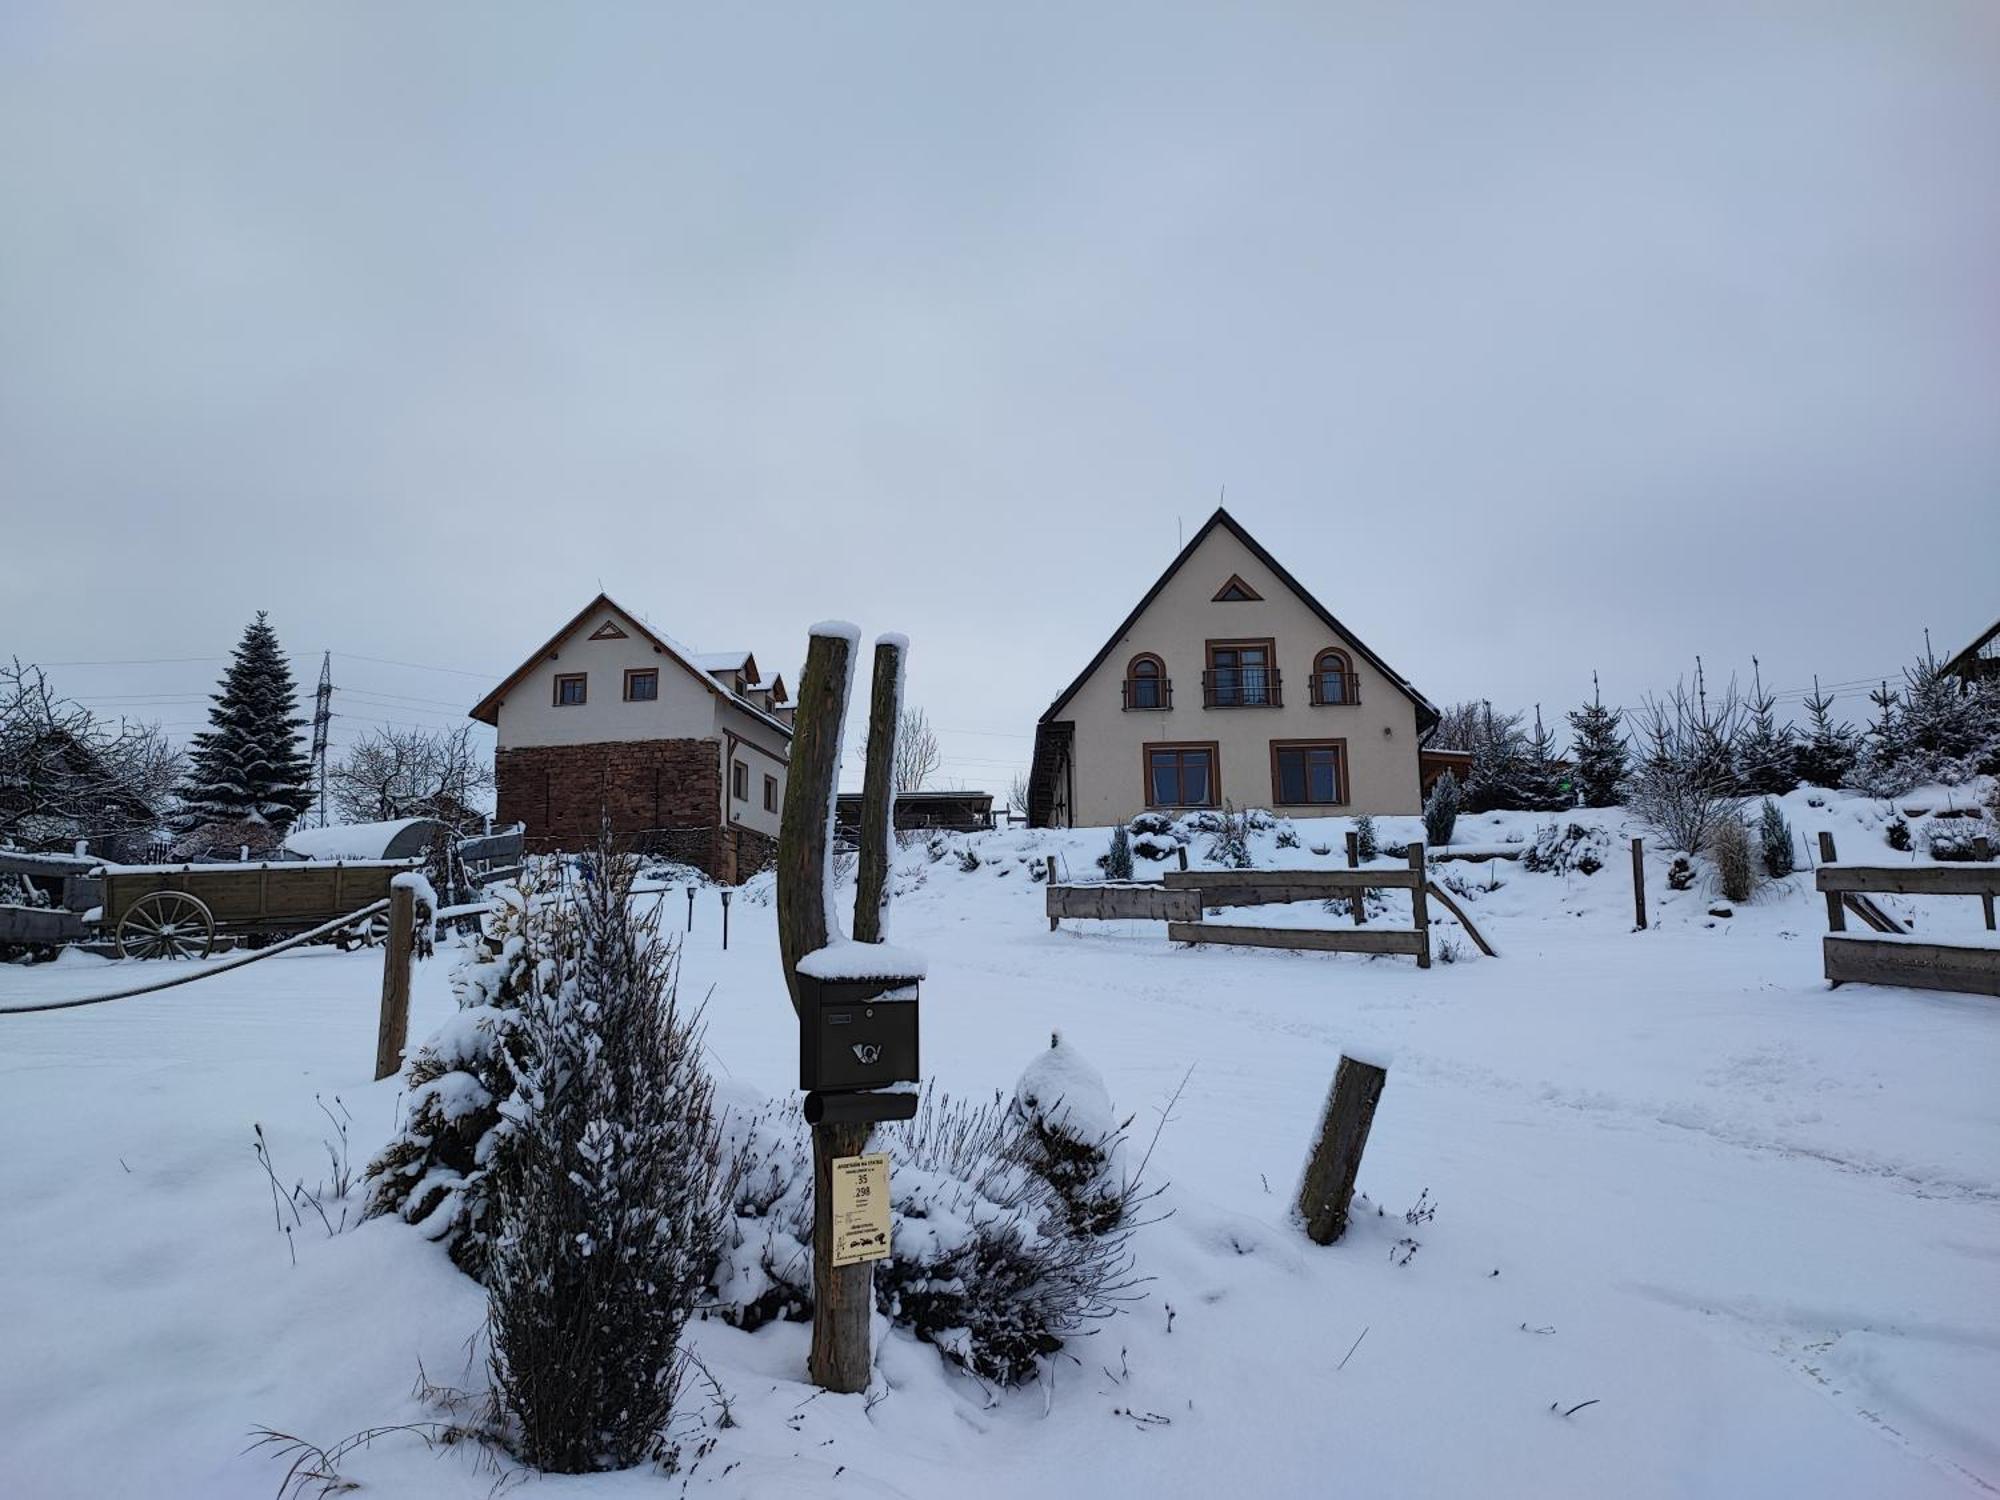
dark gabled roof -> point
(487, 709)
(1964, 658)
(1427, 714)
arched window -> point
(1333, 680)
(1146, 684)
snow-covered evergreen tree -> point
(1765, 752)
(1825, 755)
(1118, 858)
(607, 1206)
(1544, 782)
(248, 765)
(1441, 811)
(1365, 844)
(1499, 775)
(1935, 730)
(1598, 749)
(1774, 835)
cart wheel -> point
(167, 924)
(369, 933)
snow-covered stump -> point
(1335, 1162)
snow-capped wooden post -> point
(1360, 899)
(393, 1033)
(1638, 885)
(1982, 851)
(878, 790)
(1336, 1156)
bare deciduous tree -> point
(1017, 793)
(412, 773)
(65, 774)
(917, 755)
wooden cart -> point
(179, 911)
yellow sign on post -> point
(860, 1208)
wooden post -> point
(1982, 850)
(1638, 885)
(843, 1297)
(1836, 915)
(1420, 909)
(397, 954)
(878, 793)
(1181, 850)
(1336, 1156)
(1354, 863)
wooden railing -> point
(1890, 955)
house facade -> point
(1229, 684)
(684, 752)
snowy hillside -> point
(1743, 1230)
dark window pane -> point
(1166, 784)
(1195, 771)
(1323, 787)
(1291, 776)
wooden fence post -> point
(1982, 850)
(1336, 1156)
(1181, 850)
(1639, 885)
(1836, 915)
(1420, 907)
(878, 794)
(1354, 863)
(393, 1034)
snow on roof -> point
(349, 840)
(720, 661)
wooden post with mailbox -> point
(857, 1020)
(399, 951)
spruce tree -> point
(1498, 777)
(1764, 754)
(1826, 754)
(1441, 811)
(248, 767)
(1599, 750)
(1544, 783)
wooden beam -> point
(1420, 911)
(1910, 880)
(1320, 939)
(1860, 959)
(1638, 885)
(810, 779)
(1463, 920)
(1241, 887)
(1107, 903)
(1836, 913)
(392, 1032)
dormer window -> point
(642, 685)
(572, 689)
(1236, 591)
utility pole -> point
(322, 718)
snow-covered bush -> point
(1955, 839)
(1288, 836)
(1774, 835)
(1897, 836)
(1229, 844)
(1441, 811)
(968, 859)
(1735, 865)
(1556, 849)
(437, 1172)
(1071, 1138)
(1118, 858)
(1154, 836)
(1259, 818)
(1365, 845)
(605, 1205)
(1680, 874)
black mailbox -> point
(856, 1033)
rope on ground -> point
(207, 972)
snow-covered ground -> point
(1755, 1221)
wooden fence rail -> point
(1895, 957)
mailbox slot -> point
(856, 1033)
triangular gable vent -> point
(608, 631)
(1236, 591)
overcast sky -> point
(1534, 337)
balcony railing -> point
(1335, 689)
(1149, 692)
(1241, 687)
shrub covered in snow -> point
(1071, 1138)
(1559, 848)
(1154, 836)
(437, 1172)
(605, 1202)
(1955, 839)
(1441, 811)
(990, 1261)
(1365, 845)
(1229, 842)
